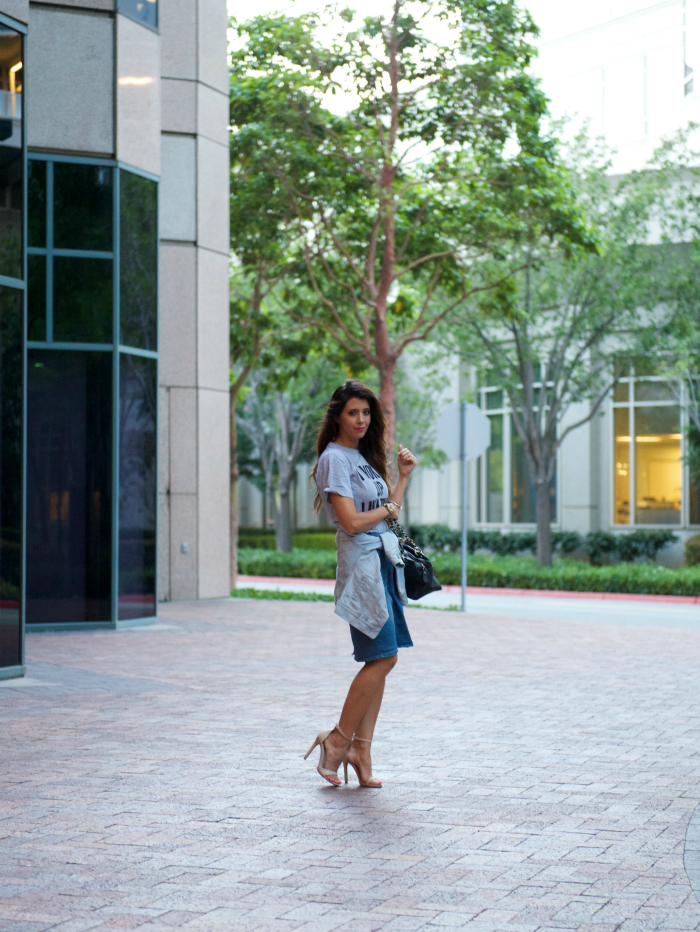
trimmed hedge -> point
(299, 564)
(304, 540)
(496, 572)
(568, 575)
(627, 547)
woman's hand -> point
(407, 462)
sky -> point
(624, 67)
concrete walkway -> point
(540, 774)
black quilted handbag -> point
(418, 570)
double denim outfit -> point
(369, 590)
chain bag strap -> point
(418, 570)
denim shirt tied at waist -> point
(360, 598)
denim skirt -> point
(394, 634)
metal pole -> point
(464, 504)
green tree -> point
(277, 415)
(402, 197)
(553, 335)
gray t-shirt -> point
(346, 472)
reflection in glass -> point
(653, 391)
(36, 297)
(523, 502)
(494, 472)
(36, 203)
(144, 11)
(622, 466)
(11, 160)
(11, 301)
(138, 260)
(657, 465)
(137, 486)
(82, 207)
(621, 392)
(82, 301)
(69, 467)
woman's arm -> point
(354, 521)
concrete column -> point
(194, 371)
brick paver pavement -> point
(539, 776)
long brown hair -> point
(372, 446)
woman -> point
(352, 480)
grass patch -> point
(250, 593)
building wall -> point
(194, 370)
(104, 85)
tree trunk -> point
(387, 397)
(234, 476)
(283, 524)
(544, 528)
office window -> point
(137, 486)
(93, 270)
(11, 156)
(138, 260)
(505, 488)
(10, 474)
(69, 483)
(143, 11)
(647, 450)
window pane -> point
(82, 207)
(11, 158)
(11, 328)
(653, 391)
(82, 303)
(137, 487)
(138, 260)
(36, 297)
(523, 506)
(36, 201)
(69, 469)
(144, 11)
(494, 399)
(621, 392)
(494, 472)
(621, 479)
(658, 465)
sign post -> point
(468, 422)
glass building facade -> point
(12, 302)
(92, 304)
(505, 491)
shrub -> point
(304, 538)
(299, 564)
(568, 575)
(692, 551)
(499, 572)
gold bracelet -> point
(390, 508)
(395, 504)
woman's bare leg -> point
(360, 710)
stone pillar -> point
(194, 368)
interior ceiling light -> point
(138, 82)
(659, 438)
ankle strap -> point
(343, 733)
(358, 738)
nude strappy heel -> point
(327, 774)
(373, 781)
